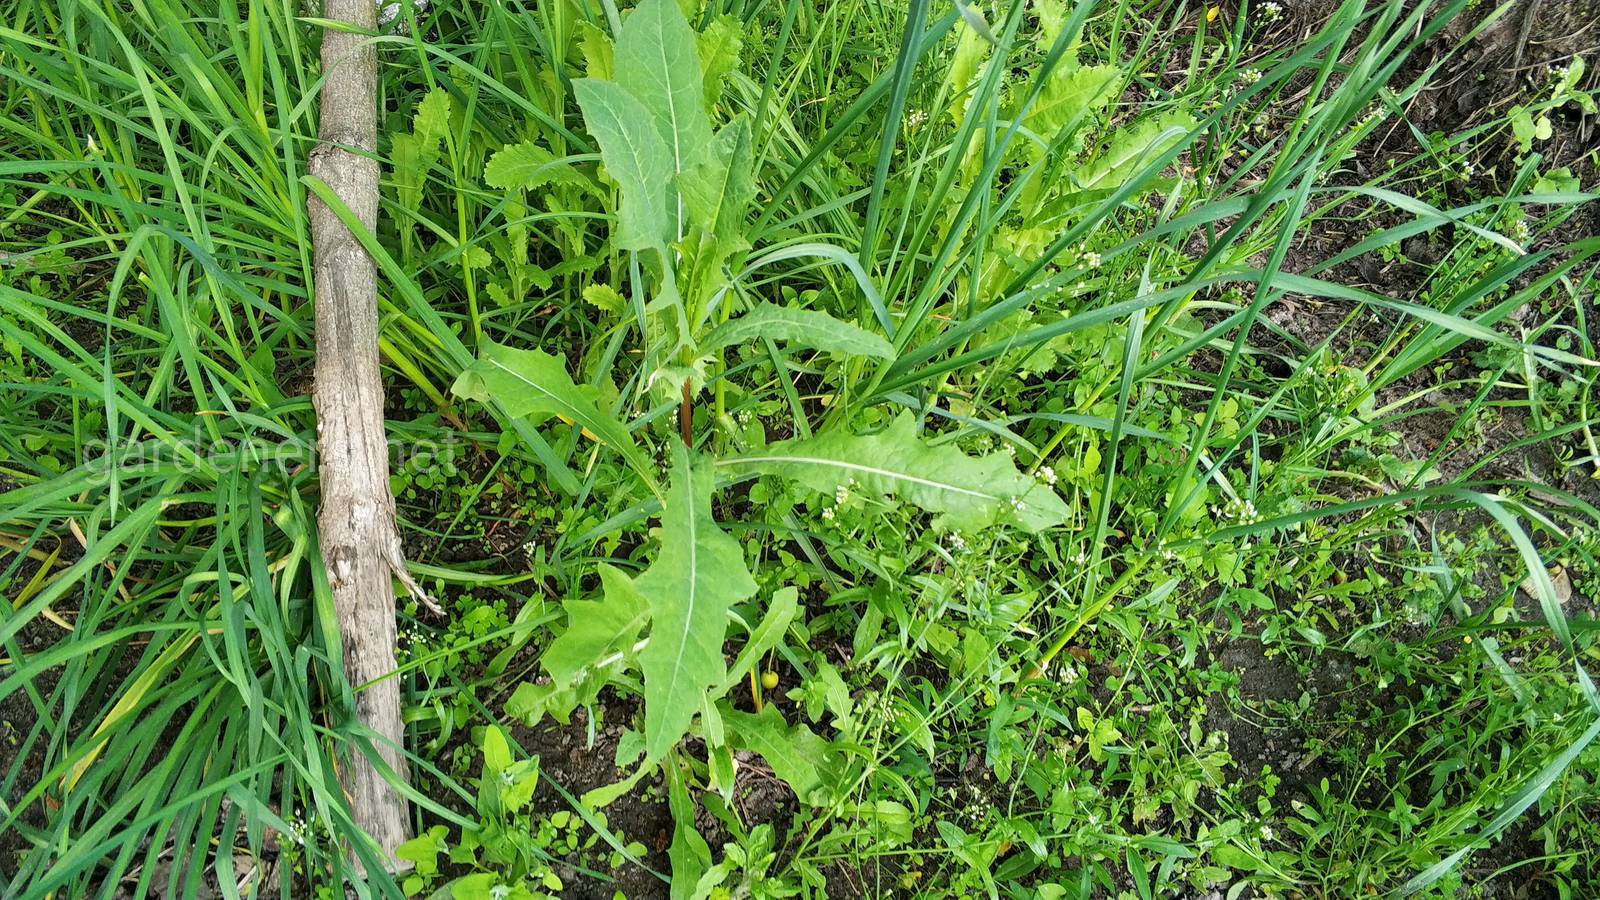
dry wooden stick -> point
(358, 534)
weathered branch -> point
(359, 538)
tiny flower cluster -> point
(971, 804)
(412, 636)
(842, 492)
(1250, 76)
(841, 495)
(300, 828)
(1046, 475)
(1520, 232)
(1270, 11)
(1240, 510)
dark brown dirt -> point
(566, 759)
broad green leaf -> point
(496, 751)
(597, 630)
(719, 46)
(636, 158)
(658, 64)
(479, 886)
(800, 758)
(528, 166)
(717, 190)
(697, 575)
(534, 383)
(1072, 93)
(424, 849)
(809, 328)
(967, 492)
(1133, 148)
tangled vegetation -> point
(1029, 449)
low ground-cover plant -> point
(910, 450)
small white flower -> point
(1091, 259)
(1069, 675)
(827, 514)
(1250, 76)
(841, 494)
(1046, 475)
(1269, 11)
(1266, 832)
(1017, 505)
(957, 542)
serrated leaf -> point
(971, 49)
(1052, 16)
(605, 298)
(636, 158)
(528, 166)
(719, 46)
(698, 574)
(431, 124)
(659, 64)
(717, 191)
(534, 383)
(597, 630)
(598, 54)
(410, 169)
(1072, 93)
(809, 328)
(1134, 147)
(800, 758)
(967, 492)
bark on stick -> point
(359, 539)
